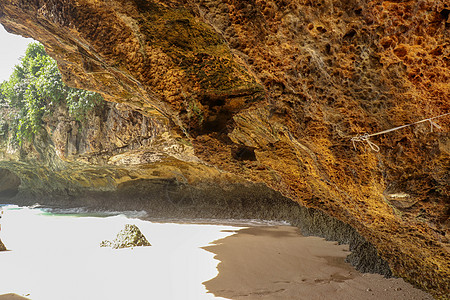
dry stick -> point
(365, 137)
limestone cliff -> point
(274, 90)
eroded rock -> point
(2, 246)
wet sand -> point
(278, 263)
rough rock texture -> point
(128, 237)
(274, 90)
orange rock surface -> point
(274, 91)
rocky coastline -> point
(216, 93)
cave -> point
(224, 94)
(9, 184)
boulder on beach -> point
(129, 237)
(2, 246)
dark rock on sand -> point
(2, 246)
(129, 237)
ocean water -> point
(55, 254)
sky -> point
(12, 49)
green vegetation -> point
(35, 89)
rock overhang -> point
(273, 91)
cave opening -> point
(444, 14)
(9, 184)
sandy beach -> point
(278, 263)
(58, 257)
(12, 297)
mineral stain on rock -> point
(129, 237)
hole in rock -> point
(244, 153)
(321, 29)
(328, 48)
(401, 51)
(9, 184)
(216, 123)
(351, 33)
(444, 14)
